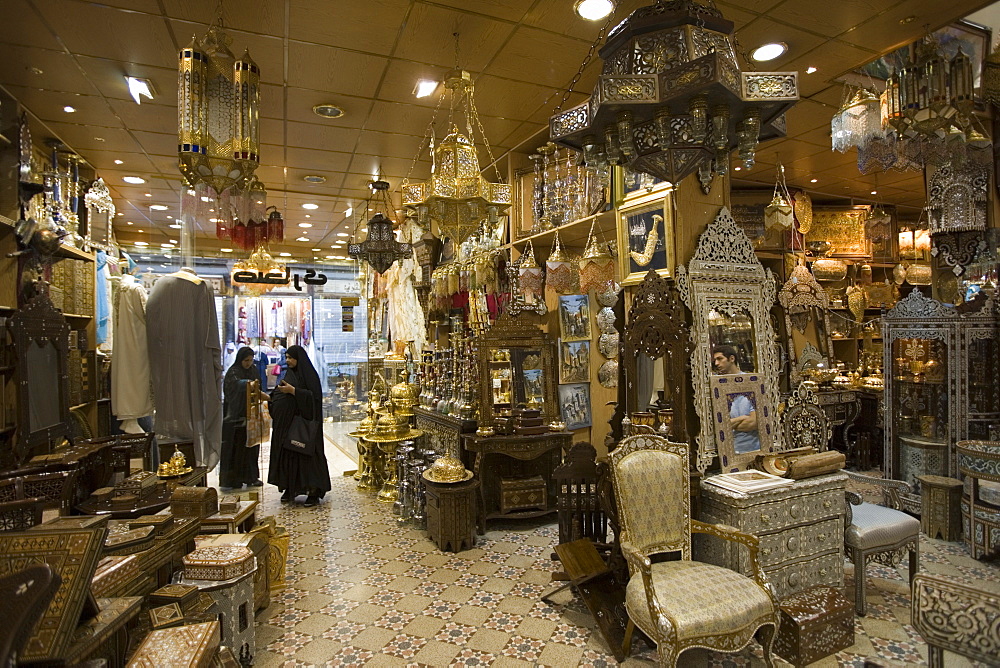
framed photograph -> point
(574, 317)
(574, 403)
(574, 362)
(743, 423)
(630, 186)
(646, 238)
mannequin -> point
(131, 396)
(185, 360)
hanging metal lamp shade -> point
(560, 272)
(597, 267)
(858, 120)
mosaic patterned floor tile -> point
(473, 657)
(344, 630)
(896, 650)
(395, 620)
(502, 621)
(289, 643)
(457, 634)
(404, 646)
(350, 657)
(524, 648)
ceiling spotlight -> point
(285, 254)
(130, 223)
(314, 178)
(147, 194)
(303, 239)
(305, 224)
(158, 207)
(769, 51)
(176, 226)
(308, 216)
(310, 206)
(226, 250)
(119, 162)
(139, 88)
(874, 192)
(349, 212)
(170, 217)
(68, 109)
(136, 180)
(98, 138)
(331, 257)
(315, 250)
(141, 243)
(813, 180)
(166, 245)
(907, 19)
(328, 111)
(593, 10)
(737, 169)
(810, 70)
(424, 88)
(35, 70)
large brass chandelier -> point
(925, 116)
(218, 100)
(457, 197)
(671, 98)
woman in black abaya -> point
(299, 393)
(238, 463)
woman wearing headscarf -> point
(238, 463)
(299, 393)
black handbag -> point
(304, 436)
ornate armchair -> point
(874, 532)
(955, 617)
(979, 464)
(681, 603)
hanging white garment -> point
(131, 393)
(406, 317)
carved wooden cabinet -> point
(940, 384)
(801, 531)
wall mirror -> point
(806, 306)
(100, 214)
(734, 359)
(41, 339)
(517, 360)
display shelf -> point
(7, 310)
(71, 253)
(571, 234)
(78, 321)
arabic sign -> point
(277, 278)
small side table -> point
(451, 514)
(941, 511)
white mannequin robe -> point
(131, 392)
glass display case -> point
(940, 384)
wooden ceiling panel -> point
(370, 26)
(86, 29)
(403, 118)
(22, 26)
(324, 137)
(427, 37)
(49, 106)
(336, 71)
(256, 16)
(150, 117)
(540, 57)
(272, 101)
(58, 71)
(829, 23)
(373, 142)
(763, 30)
(84, 138)
(886, 31)
(510, 10)
(160, 143)
(511, 99)
(317, 159)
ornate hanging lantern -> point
(671, 97)
(859, 119)
(531, 277)
(597, 267)
(380, 249)
(560, 272)
(218, 100)
(260, 263)
(457, 197)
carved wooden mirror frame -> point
(40, 322)
(508, 333)
(725, 275)
(803, 301)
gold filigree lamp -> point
(457, 197)
(218, 100)
(260, 263)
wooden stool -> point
(451, 514)
(941, 511)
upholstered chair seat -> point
(713, 600)
(875, 526)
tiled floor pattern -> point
(364, 591)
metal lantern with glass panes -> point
(671, 97)
(218, 100)
(457, 197)
(380, 249)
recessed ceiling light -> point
(310, 206)
(907, 19)
(98, 138)
(141, 243)
(176, 226)
(813, 180)
(139, 88)
(285, 254)
(769, 51)
(133, 179)
(119, 162)
(314, 178)
(158, 207)
(736, 169)
(120, 214)
(303, 239)
(164, 245)
(147, 194)
(424, 88)
(144, 257)
(129, 223)
(343, 234)
(349, 211)
(308, 216)
(331, 257)
(328, 111)
(68, 109)
(170, 217)
(226, 250)
(315, 250)
(206, 199)
(35, 70)
(593, 10)
(305, 224)
(810, 70)
(874, 192)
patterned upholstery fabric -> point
(656, 512)
(704, 600)
(874, 526)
